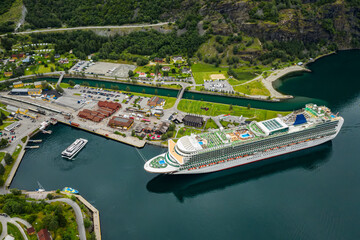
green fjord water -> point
(311, 194)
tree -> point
(230, 107)
(3, 116)
(87, 223)
(49, 196)
(15, 191)
(8, 159)
(131, 73)
(3, 142)
(71, 83)
(155, 92)
(86, 84)
(59, 89)
(127, 89)
(2, 169)
(248, 106)
(143, 91)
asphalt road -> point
(78, 214)
(5, 220)
(91, 27)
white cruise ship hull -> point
(259, 156)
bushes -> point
(8, 159)
(24, 139)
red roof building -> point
(44, 234)
(31, 231)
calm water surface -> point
(313, 194)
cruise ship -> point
(256, 141)
(74, 148)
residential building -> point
(38, 84)
(8, 74)
(44, 234)
(178, 58)
(165, 68)
(193, 121)
(18, 84)
(158, 60)
(156, 101)
(34, 91)
(162, 128)
(186, 70)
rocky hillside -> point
(284, 20)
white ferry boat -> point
(74, 148)
(256, 141)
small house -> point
(38, 84)
(8, 74)
(18, 84)
(186, 70)
(156, 101)
(34, 91)
(158, 60)
(165, 69)
(44, 234)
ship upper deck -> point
(295, 121)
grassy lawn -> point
(13, 14)
(64, 85)
(6, 124)
(215, 109)
(9, 167)
(202, 71)
(170, 101)
(187, 131)
(244, 75)
(211, 124)
(14, 231)
(253, 88)
(2, 154)
(224, 123)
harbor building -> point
(193, 121)
(120, 122)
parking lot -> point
(218, 86)
(103, 68)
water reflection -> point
(188, 186)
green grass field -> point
(202, 71)
(253, 88)
(187, 131)
(211, 124)
(215, 109)
(14, 231)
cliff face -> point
(309, 21)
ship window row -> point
(250, 149)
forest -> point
(150, 43)
(54, 13)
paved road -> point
(5, 220)
(78, 214)
(92, 27)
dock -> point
(28, 147)
(35, 141)
(132, 142)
